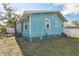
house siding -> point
(25, 32)
(18, 27)
(38, 25)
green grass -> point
(51, 47)
(54, 47)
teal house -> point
(40, 23)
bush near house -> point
(2, 29)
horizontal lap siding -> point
(38, 25)
(59, 29)
(35, 25)
(25, 32)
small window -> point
(47, 23)
(26, 26)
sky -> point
(69, 10)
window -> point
(56, 24)
(26, 26)
(26, 23)
(47, 23)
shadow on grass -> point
(30, 48)
(23, 45)
(26, 46)
(47, 47)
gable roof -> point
(26, 13)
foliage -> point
(8, 24)
(10, 15)
(2, 28)
(76, 22)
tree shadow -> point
(25, 46)
(28, 48)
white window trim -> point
(25, 23)
(47, 23)
(56, 24)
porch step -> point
(64, 35)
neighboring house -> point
(69, 25)
(10, 30)
(71, 29)
(34, 24)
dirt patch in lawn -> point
(9, 46)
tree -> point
(2, 28)
(10, 15)
(76, 22)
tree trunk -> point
(15, 28)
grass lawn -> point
(51, 47)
